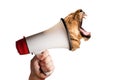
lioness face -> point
(74, 25)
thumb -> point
(42, 55)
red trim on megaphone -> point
(22, 47)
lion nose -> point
(81, 10)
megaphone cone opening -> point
(68, 34)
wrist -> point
(34, 77)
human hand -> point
(41, 66)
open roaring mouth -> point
(83, 32)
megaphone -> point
(55, 37)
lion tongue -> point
(85, 32)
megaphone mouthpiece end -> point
(22, 47)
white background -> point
(97, 59)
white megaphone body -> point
(55, 37)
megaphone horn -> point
(55, 37)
